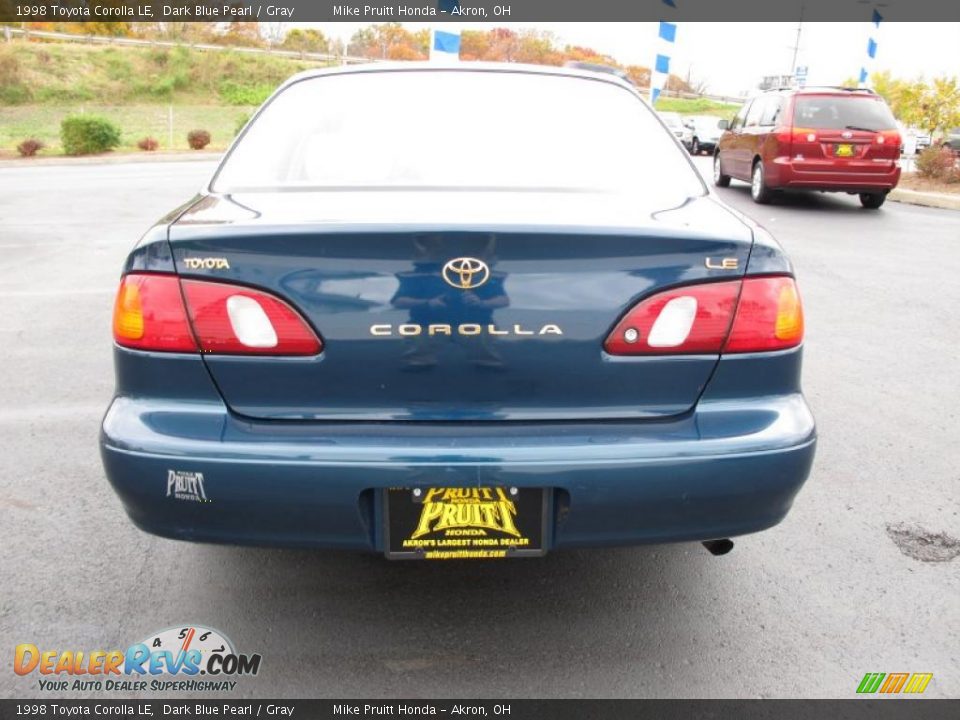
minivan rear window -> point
(849, 112)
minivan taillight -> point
(757, 314)
(889, 137)
(795, 135)
(150, 314)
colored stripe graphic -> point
(918, 682)
(894, 682)
(870, 682)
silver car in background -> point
(675, 123)
(703, 133)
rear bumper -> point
(862, 176)
(729, 468)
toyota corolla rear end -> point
(472, 312)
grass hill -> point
(35, 72)
(151, 91)
(139, 88)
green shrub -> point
(87, 134)
(198, 139)
(234, 93)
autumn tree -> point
(389, 41)
(933, 106)
(241, 34)
(308, 40)
(474, 45)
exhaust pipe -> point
(718, 547)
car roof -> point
(470, 66)
(822, 90)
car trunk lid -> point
(403, 340)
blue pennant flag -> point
(668, 31)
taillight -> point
(753, 315)
(218, 318)
(692, 319)
(769, 316)
(890, 138)
(797, 135)
(238, 320)
(149, 315)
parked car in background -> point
(923, 140)
(705, 131)
(347, 341)
(952, 140)
(831, 139)
(674, 122)
(908, 140)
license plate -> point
(486, 523)
(843, 151)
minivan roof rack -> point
(814, 88)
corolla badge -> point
(466, 273)
(847, 135)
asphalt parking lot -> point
(802, 610)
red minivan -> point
(829, 139)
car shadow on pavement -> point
(812, 200)
(382, 621)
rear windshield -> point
(847, 112)
(456, 129)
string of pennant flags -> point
(666, 38)
(445, 47)
(867, 68)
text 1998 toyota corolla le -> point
(448, 312)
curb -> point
(926, 199)
(126, 158)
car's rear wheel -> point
(872, 201)
(695, 147)
(719, 179)
(758, 185)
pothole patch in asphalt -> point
(920, 544)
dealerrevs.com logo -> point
(187, 658)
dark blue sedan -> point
(475, 311)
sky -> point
(732, 57)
